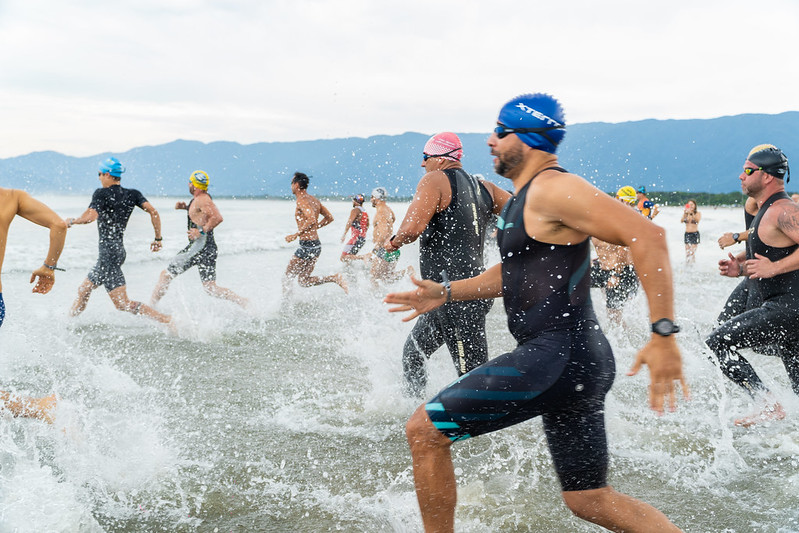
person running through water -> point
(771, 262)
(645, 206)
(448, 214)
(15, 203)
(306, 214)
(613, 270)
(357, 226)
(563, 365)
(203, 217)
(383, 264)
(691, 218)
(111, 207)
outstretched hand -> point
(662, 356)
(427, 296)
(45, 281)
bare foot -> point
(768, 414)
(339, 279)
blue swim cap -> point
(112, 166)
(540, 112)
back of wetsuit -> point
(546, 286)
(453, 239)
(114, 206)
(783, 289)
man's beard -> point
(508, 161)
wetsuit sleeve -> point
(97, 200)
(138, 198)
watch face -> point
(663, 326)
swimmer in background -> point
(306, 214)
(449, 214)
(15, 203)
(645, 206)
(357, 226)
(383, 264)
(691, 218)
(203, 217)
(795, 197)
(613, 270)
(111, 207)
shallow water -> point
(289, 416)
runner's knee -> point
(421, 432)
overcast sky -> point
(83, 76)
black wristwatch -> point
(735, 237)
(665, 327)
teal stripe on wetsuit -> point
(562, 368)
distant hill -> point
(665, 155)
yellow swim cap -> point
(199, 178)
(627, 195)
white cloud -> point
(88, 76)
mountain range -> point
(698, 155)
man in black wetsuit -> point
(203, 217)
(450, 211)
(111, 207)
(771, 262)
(563, 365)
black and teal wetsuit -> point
(561, 369)
(773, 324)
(114, 206)
(452, 246)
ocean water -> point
(289, 416)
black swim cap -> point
(770, 159)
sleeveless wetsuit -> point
(357, 233)
(452, 246)
(114, 206)
(201, 252)
(561, 369)
(773, 324)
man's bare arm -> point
(155, 218)
(788, 224)
(38, 213)
(430, 295)
(426, 202)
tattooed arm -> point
(781, 230)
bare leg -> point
(163, 285)
(41, 408)
(225, 294)
(302, 269)
(120, 298)
(433, 473)
(616, 511)
(84, 291)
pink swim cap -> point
(444, 144)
